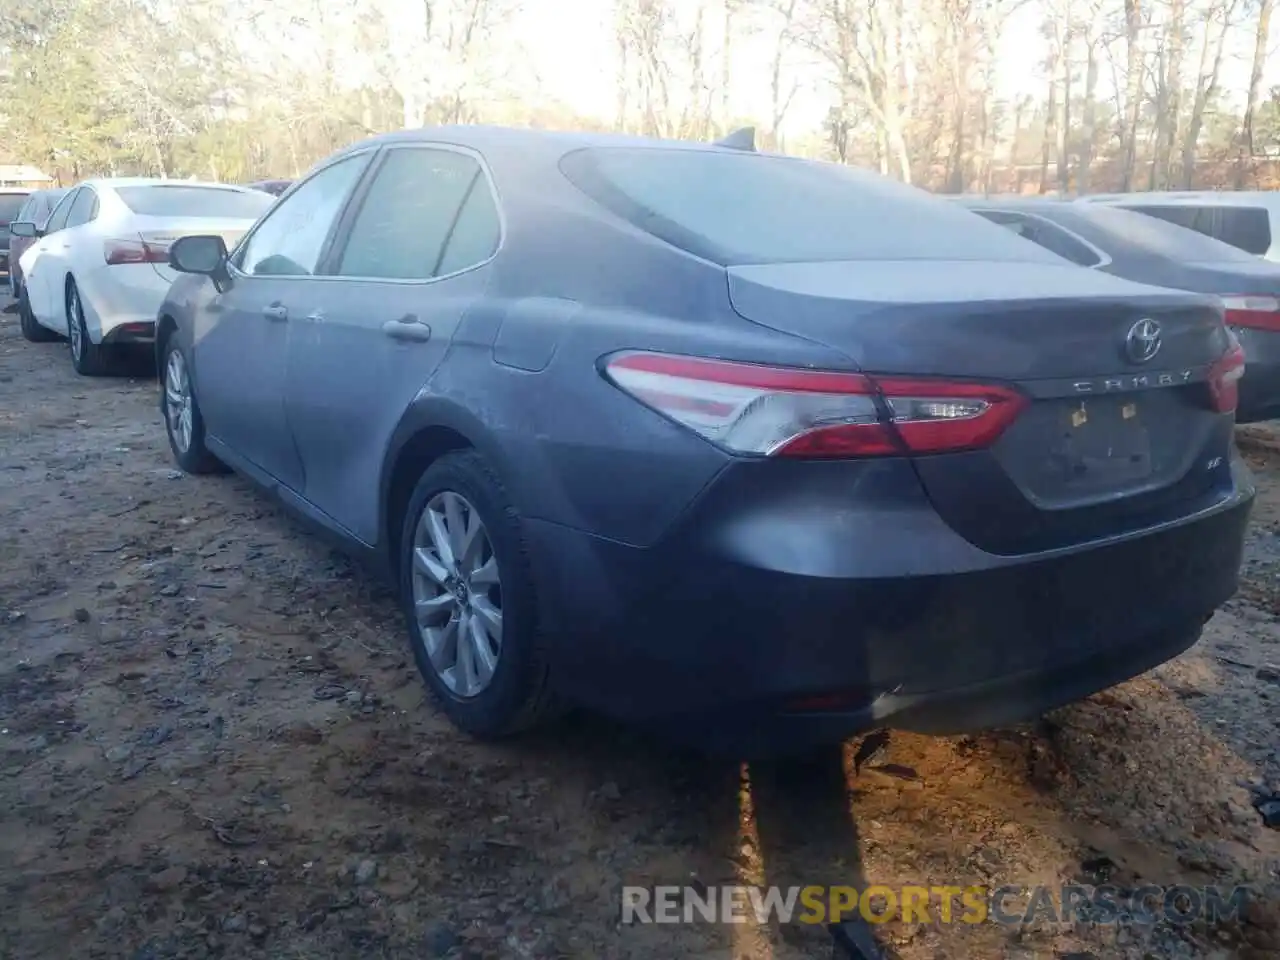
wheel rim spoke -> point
(484, 658)
(428, 566)
(438, 533)
(432, 611)
(487, 617)
(485, 575)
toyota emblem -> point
(1142, 341)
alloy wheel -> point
(177, 401)
(457, 594)
(75, 329)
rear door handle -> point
(276, 311)
(407, 328)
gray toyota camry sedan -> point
(753, 450)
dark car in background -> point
(11, 201)
(1152, 250)
(667, 430)
(36, 208)
(273, 187)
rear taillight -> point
(790, 412)
(1256, 313)
(119, 252)
(1224, 377)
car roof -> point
(18, 190)
(482, 137)
(1226, 198)
(113, 182)
(998, 202)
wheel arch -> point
(166, 327)
(429, 430)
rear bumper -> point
(1260, 387)
(790, 610)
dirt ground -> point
(213, 744)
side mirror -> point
(24, 228)
(205, 255)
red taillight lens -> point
(1256, 313)
(1224, 378)
(790, 412)
(119, 252)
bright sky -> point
(570, 46)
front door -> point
(410, 257)
(241, 333)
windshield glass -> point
(190, 201)
(739, 208)
(10, 204)
(1161, 237)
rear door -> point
(411, 257)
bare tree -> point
(1261, 39)
(1219, 17)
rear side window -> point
(84, 208)
(189, 201)
(732, 207)
(427, 212)
(10, 204)
(1248, 228)
(1187, 215)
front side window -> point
(427, 213)
(58, 219)
(291, 238)
(732, 207)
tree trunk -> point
(1133, 91)
(1050, 132)
(1064, 130)
(1206, 88)
(1088, 116)
(1261, 37)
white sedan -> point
(100, 267)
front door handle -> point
(407, 327)
(276, 311)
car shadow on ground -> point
(710, 822)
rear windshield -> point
(734, 208)
(189, 201)
(10, 204)
(1160, 237)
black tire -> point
(519, 695)
(88, 358)
(31, 329)
(195, 458)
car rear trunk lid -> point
(1108, 424)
